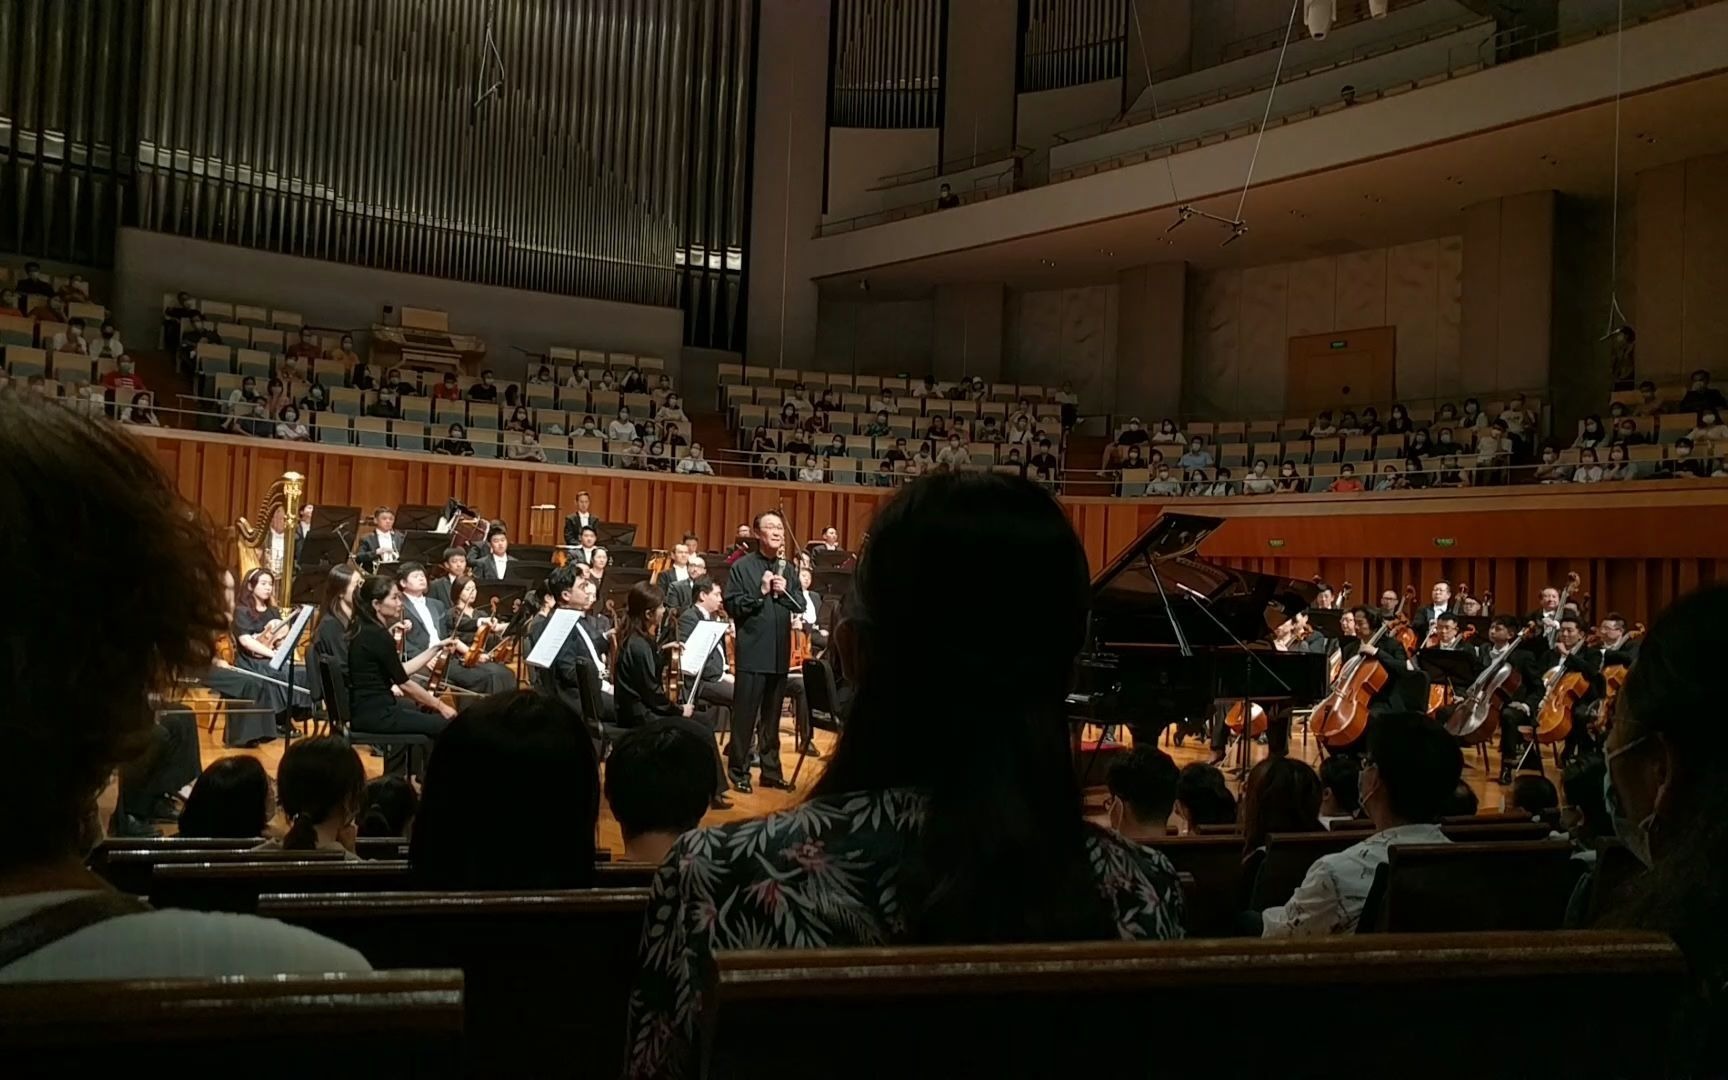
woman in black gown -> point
(330, 638)
(383, 698)
(255, 611)
(463, 622)
(636, 678)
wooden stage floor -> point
(1490, 795)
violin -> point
(1401, 618)
(438, 670)
(505, 652)
(274, 633)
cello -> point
(1442, 695)
(1401, 621)
(1476, 716)
(1562, 691)
(1341, 718)
(1613, 681)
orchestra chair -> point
(385, 1023)
(547, 975)
(1064, 1009)
(1215, 862)
(1471, 887)
(334, 682)
(235, 887)
(822, 694)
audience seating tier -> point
(1071, 1009)
(396, 1023)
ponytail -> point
(302, 833)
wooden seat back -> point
(395, 1023)
(1216, 865)
(236, 886)
(1027, 1010)
(134, 871)
(548, 974)
(1491, 886)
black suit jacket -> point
(1423, 621)
(485, 572)
(417, 638)
(582, 556)
(762, 624)
(668, 578)
(367, 555)
(714, 666)
(563, 678)
(573, 527)
(440, 590)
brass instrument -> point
(252, 542)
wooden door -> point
(1341, 371)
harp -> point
(252, 541)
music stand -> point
(1455, 667)
(418, 518)
(345, 519)
(424, 547)
(1325, 622)
(534, 553)
(284, 657)
(609, 535)
(309, 585)
(322, 549)
(821, 558)
(627, 558)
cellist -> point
(1389, 653)
(1573, 652)
(1503, 638)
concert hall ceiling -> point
(587, 147)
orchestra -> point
(1524, 683)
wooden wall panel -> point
(1637, 546)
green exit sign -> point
(1275, 543)
(1444, 542)
(1340, 344)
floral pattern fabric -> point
(821, 874)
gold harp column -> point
(293, 491)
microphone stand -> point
(1250, 658)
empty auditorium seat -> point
(1500, 885)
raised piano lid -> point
(1126, 609)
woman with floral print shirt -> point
(895, 846)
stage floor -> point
(1491, 797)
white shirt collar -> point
(424, 612)
(498, 563)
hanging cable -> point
(1152, 90)
(1616, 317)
(489, 55)
(1271, 93)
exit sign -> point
(1340, 344)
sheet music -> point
(702, 642)
(558, 630)
(295, 629)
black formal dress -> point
(642, 700)
(251, 727)
(373, 668)
(763, 629)
(488, 678)
(329, 643)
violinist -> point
(638, 680)
(256, 624)
(431, 621)
(496, 564)
(383, 697)
(330, 639)
(716, 680)
(570, 590)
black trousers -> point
(1513, 715)
(168, 764)
(756, 707)
(406, 718)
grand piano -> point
(1160, 598)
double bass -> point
(1476, 716)
(1341, 718)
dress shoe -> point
(129, 825)
(719, 802)
(164, 810)
(1505, 775)
(809, 750)
(774, 782)
(742, 786)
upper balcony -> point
(1439, 81)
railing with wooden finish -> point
(1637, 545)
